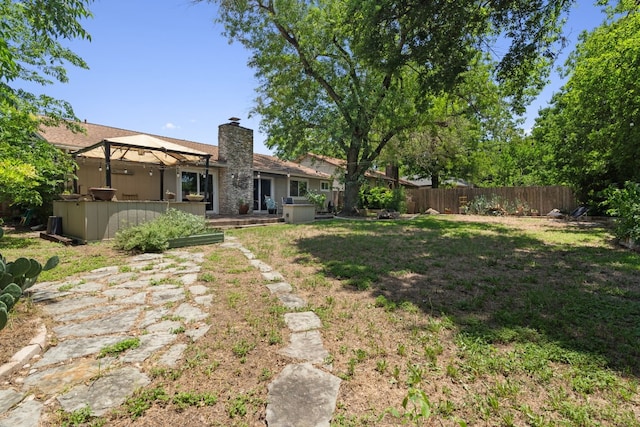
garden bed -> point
(199, 239)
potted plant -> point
(195, 197)
(271, 205)
(68, 195)
(243, 207)
(102, 193)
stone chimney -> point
(235, 148)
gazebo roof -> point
(143, 149)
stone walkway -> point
(144, 294)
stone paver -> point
(8, 398)
(292, 301)
(104, 393)
(302, 395)
(26, 414)
(299, 322)
(306, 346)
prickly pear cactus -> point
(13, 290)
(4, 317)
(8, 300)
(16, 277)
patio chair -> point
(578, 213)
(25, 219)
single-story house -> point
(336, 168)
(154, 167)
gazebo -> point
(144, 149)
(90, 219)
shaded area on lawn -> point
(498, 284)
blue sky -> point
(163, 67)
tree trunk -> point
(435, 180)
(351, 195)
(351, 181)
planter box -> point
(199, 239)
(88, 221)
(299, 213)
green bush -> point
(317, 199)
(624, 203)
(154, 235)
(398, 201)
(383, 198)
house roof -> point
(63, 138)
(340, 163)
(264, 163)
(95, 134)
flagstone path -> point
(110, 304)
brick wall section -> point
(235, 148)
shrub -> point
(317, 199)
(496, 205)
(154, 235)
(398, 200)
(375, 197)
(624, 203)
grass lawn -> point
(468, 320)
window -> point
(189, 183)
(324, 186)
(297, 188)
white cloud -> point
(170, 126)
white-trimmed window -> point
(324, 185)
(298, 187)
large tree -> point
(31, 32)
(593, 123)
(344, 77)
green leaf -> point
(51, 263)
(5, 279)
(34, 270)
(4, 318)
(14, 290)
(19, 267)
(8, 300)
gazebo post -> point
(161, 183)
(107, 162)
(206, 180)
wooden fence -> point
(543, 199)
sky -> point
(163, 67)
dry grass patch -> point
(499, 321)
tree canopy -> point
(31, 51)
(344, 77)
(592, 123)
